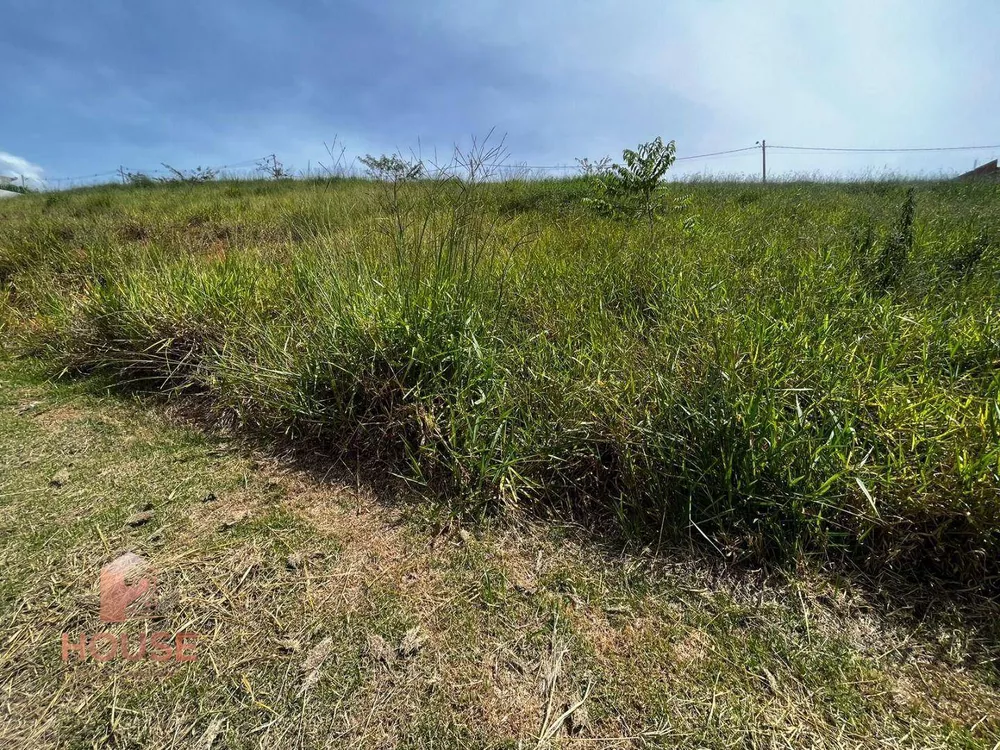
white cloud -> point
(16, 166)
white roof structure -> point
(9, 194)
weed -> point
(891, 262)
(196, 175)
(272, 168)
(139, 179)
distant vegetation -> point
(11, 187)
(767, 370)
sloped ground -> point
(790, 369)
(334, 615)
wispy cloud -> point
(16, 166)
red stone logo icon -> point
(122, 591)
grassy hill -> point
(769, 371)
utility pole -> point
(763, 161)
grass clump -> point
(776, 376)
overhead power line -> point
(717, 153)
(134, 170)
(84, 177)
(887, 150)
(541, 167)
(576, 167)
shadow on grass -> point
(912, 596)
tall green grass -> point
(770, 370)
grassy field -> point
(455, 464)
(771, 371)
(335, 613)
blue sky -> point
(86, 86)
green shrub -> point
(632, 189)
